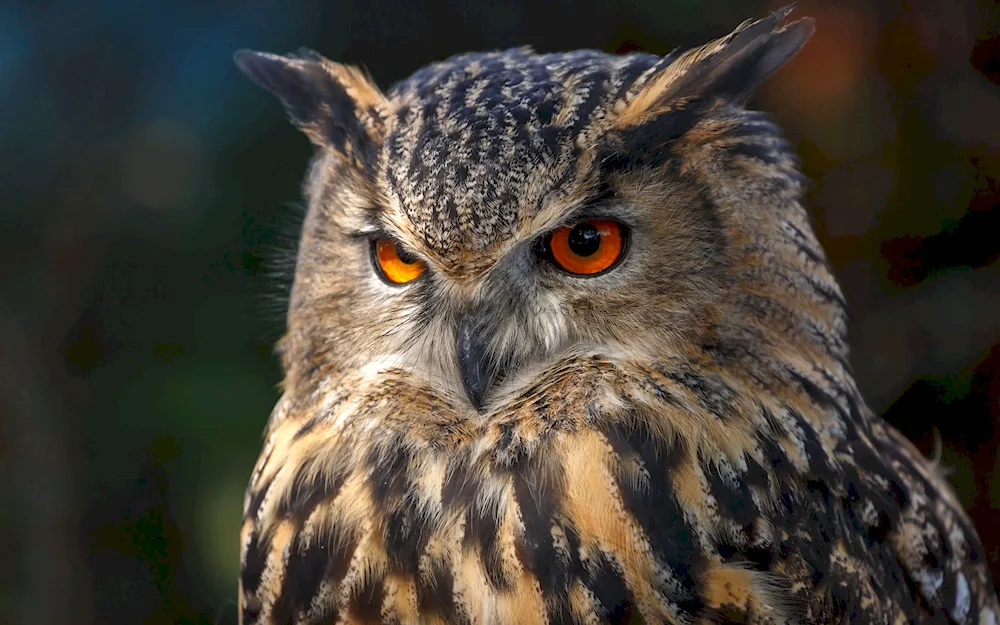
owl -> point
(562, 347)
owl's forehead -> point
(479, 143)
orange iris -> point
(393, 267)
(588, 247)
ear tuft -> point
(729, 68)
(298, 82)
(335, 105)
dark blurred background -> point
(146, 187)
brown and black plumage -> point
(562, 347)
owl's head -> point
(497, 212)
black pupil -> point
(584, 239)
(405, 256)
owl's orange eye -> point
(587, 248)
(394, 265)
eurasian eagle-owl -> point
(562, 347)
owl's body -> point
(676, 438)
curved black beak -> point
(475, 364)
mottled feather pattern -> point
(680, 440)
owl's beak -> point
(476, 366)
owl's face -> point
(495, 213)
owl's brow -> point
(592, 205)
(368, 232)
(364, 224)
(369, 225)
(372, 230)
(377, 232)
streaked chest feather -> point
(649, 491)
